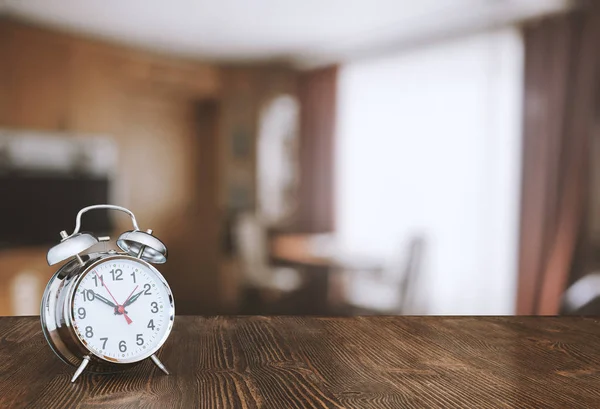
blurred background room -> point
(327, 157)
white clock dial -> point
(122, 310)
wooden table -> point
(306, 249)
(295, 362)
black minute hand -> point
(133, 298)
(104, 300)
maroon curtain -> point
(560, 84)
(317, 94)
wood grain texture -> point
(301, 362)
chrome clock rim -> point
(73, 291)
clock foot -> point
(84, 363)
(159, 364)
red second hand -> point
(127, 317)
(104, 285)
(136, 287)
(123, 308)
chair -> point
(385, 292)
(264, 281)
(583, 296)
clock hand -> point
(132, 299)
(104, 300)
(121, 308)
(104, 285)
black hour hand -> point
(104, 300)
(133, 298)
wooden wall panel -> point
(148, 105)
(35, 80)
(195, 229)
(172, 121)
(246, 90)
(4, 67)
(317, 91)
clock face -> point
(122, 310)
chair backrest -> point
(251, 244)
(411, 272)
(581, 293)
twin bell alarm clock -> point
(107, 310)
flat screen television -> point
(34, 208)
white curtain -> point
(429, 143)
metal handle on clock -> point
(102, 206)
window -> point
(429, 144)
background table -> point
(323, 269)
(295, 362)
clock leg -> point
(84, 363)
(159, 364)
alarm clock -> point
(107, 310)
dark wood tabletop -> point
(311, 362)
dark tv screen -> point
(35, 208)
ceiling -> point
(303, 31)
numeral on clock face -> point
(88, 295)
(117, 275)
(125, 317)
